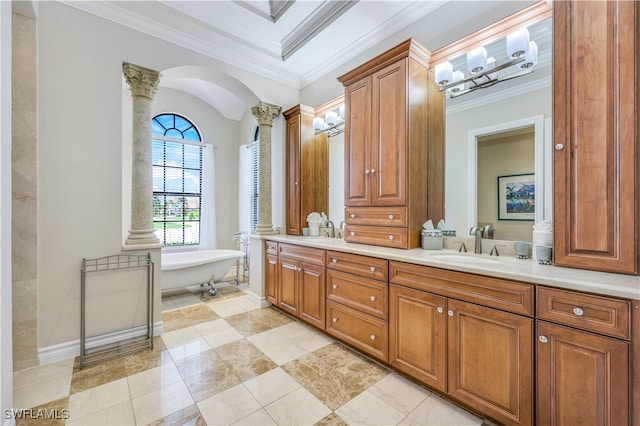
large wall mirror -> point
(497, 141)
(489, 124)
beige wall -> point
(501, 156)
(82, 179)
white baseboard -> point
(71, 349)
(260, 301)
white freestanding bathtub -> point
(184, 269)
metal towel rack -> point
(112, 350)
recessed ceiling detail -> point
(313, 24)
(268, 9)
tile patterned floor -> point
(223, 361)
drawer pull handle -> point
(373, 298)
(335, 320)
(273, 262)
(335, 286)
(450, 313)
(352, 233)
(352, 215)
(334, 260)
(372, 269)
(579, 312)
(440, 310)
(543, 339)
(391, 237)
(391, 217)
(373, 337)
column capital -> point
(265, 113)
(142, 81)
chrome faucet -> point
(477, 233)
(331, 234)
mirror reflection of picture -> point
(516, 197)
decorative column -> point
(265, 114)
(143, 83)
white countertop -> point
(509, 267)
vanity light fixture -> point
(332, 124)
(483, 71)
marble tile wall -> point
(24, 193)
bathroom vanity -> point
(512, 340)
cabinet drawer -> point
(367, 333)
(595, 313)
(364, 294)
(488, 291)
(271, 247)
(377, 236)
(371, 267)
(303, 254)
(376, 216)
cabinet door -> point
(418, 335)
(595, 133)
(294, 225)
(357, 143)
(490, 361)
(288, 297)
(271, 279)
(583, 378)
(388, 136)
(312, 294)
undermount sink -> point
(464, 258)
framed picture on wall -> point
(516, 197)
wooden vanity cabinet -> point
(583, 358)
(394, 147)
(357, 302)
(301, 281)
(307, 169)
(596, 130)
(479, 355)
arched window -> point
(177, 180)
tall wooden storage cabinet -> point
(596, 116)
(394, 148)
(307, 169)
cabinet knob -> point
(335, 320)
(373, 298)
(298, 269)
(391, 217)
(352, 233)
(440, 310)
(450, 313)
(373, 337)
(352, 215)
(579, 312)
(366, 172)
(295, 183)
(335, 286)
(373, 171)
(559, 147)
(334, 260)
(543, 339)
(391, 237)
(372, 269)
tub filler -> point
(205, 267)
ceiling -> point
(298, 42)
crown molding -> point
(372, 39)
(313, 24)
(218, 47)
